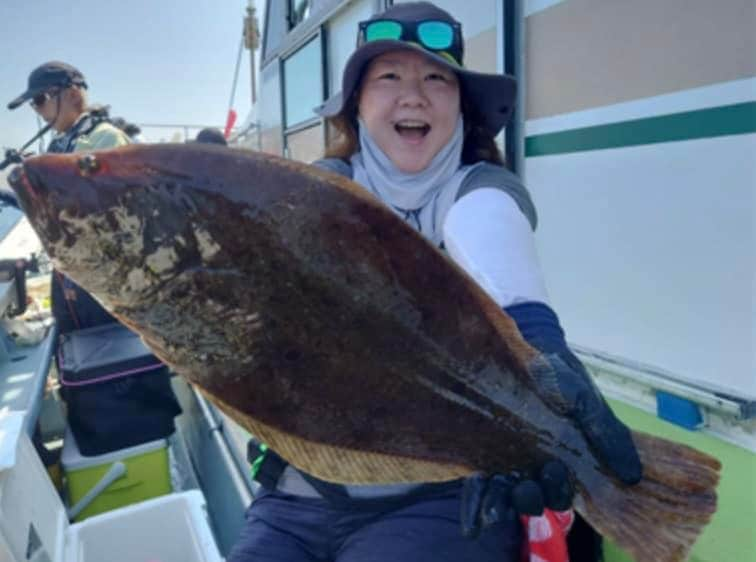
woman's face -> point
(48, 109)
(410, 107)
(59, 109)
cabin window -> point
(269, 111)
(276, 27)
(299, 10)
(303, 83)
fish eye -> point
(88, 164)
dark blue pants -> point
(285, 528)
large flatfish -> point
(331, 330)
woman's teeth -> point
(413, 129)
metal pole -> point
(236, 73)
(252, 35)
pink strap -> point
(105, 377)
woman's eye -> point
(388, 76)
(436, 76)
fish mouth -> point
(51, 185)
(40, 181)
(26, 189)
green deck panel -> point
(731, 535)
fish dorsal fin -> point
(342, 465)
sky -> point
(152, 61)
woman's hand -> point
(610, 439)
(564, 383)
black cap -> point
(49, 75)
(492, 94)
(211, 136)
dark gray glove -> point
(501, 498)
(610, 439)
(567, 385)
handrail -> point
(718, 400)
(216, 430)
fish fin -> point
(342, 465)
(658, 519)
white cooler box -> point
(34, 526)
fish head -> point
(121, 222)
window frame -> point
(316, 122)
(510, 41)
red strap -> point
(547, 536)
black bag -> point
(118, 394)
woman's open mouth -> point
(412, 130)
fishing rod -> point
(16, 156)
(13, 156)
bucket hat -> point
(49, 75)
(493, 95)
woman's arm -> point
(486, 233)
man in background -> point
(209, 135)
(58, 93)
(121, 415)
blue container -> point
(679, 411)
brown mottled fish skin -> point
(330, 329)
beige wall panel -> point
(270, 141)
(480, 51)
(590, 53)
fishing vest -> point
(67, 141)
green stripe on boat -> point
(734, 119)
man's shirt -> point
(88, 134)
(102, 136)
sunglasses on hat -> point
(434, 35)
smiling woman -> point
(410, 106)
(416, 129)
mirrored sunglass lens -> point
(435, 34)
(383, 30)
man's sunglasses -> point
(41, 99)
(434, 35)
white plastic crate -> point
(170, 528)
(34, 526)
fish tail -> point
(658, 519)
